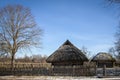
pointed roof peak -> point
(67, 42)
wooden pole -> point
(104, 70)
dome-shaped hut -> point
(102, 59)
(67, 55)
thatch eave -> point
(102, 57)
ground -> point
(53, 78)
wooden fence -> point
(108, 71)
(74, 70)
(25, 69)
(45, 69)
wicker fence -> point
(108, 71)
(74, 70)
(48, 70)
(45, 69)
(25, 69)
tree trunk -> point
(12, 62)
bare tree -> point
(39, 58)
(18, 29)
(114, 1)
(85, 51)
(112, 51)
(117, 43)
(116, 50)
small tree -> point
(18, 29)
(39, 58)
(112, 51)
(85, 51)
(117, 45)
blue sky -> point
(88, 23)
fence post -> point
(96, 70)
(52, 70)
(73, 70)
(104, 70)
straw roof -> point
(66, 53)
(102, 56)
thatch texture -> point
(67, 53)
(102, 56)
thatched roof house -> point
(103, 58)
(67, 54)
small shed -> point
(104, 59)
(67, 55)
